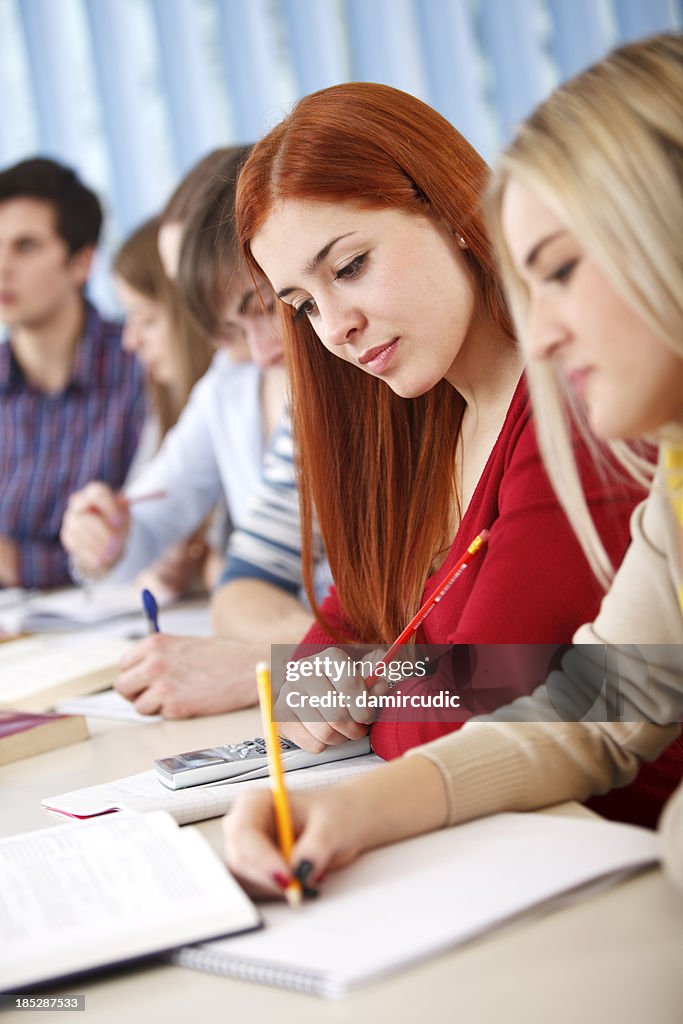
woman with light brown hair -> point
(172, 347)
(214, 452)
(175, 352)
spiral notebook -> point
(410, 901)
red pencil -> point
(433, 599)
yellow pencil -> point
(283, 817)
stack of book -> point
(23, 734)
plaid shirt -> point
(54, 444)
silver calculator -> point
(237, 762)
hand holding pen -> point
(96, 526)
(151, 611)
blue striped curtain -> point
(132, 92)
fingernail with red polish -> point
(281, 880)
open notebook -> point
(403, 903)
(68, 608)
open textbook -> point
(144, 792)
(69, 608)
(79, 897)
(11, 596)
(38, 671)
(403, 903)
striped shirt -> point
(52, 444)
(268, 546)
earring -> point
(461, 242)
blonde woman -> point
(175, 352)
(587, 211)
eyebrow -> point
(537, 249)
(315, 262)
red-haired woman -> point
(410, 410)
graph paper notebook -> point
(403, 903)
(144, 792)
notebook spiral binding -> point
(201, 959)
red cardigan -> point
(531, 585)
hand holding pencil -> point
(328, 830)
(274, 851)
(331, 827)
(96, 525)
(283, 818)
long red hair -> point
(377, 470)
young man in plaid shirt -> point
(71, 400)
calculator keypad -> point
(251, 749)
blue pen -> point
(151, 610)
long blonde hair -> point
(604, 152)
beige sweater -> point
(671, 828)
(526, 756)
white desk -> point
(615, 957)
